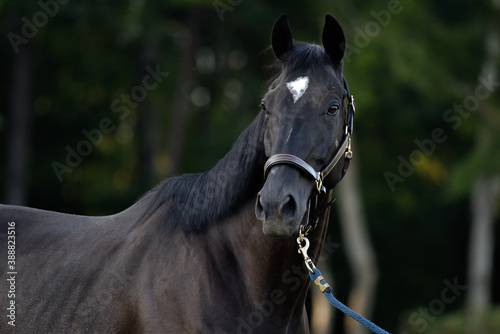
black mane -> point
(304, 55)
(193, 201)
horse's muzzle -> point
(282, 201)
(277, 216)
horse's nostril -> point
(284, 209)
(259, 208)
(289, 207)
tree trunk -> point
(17, 159)
(146, 118)
(485, 195)
(484, 200)
(181, 104)
(359, 251)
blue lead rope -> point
(318, 279)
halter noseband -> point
(344, 150)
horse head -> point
(307, 126)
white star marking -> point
(298, 87)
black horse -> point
(214, 252)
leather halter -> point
(343, 151)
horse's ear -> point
(333, 39)
(281, 37)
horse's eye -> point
(263, 107)
(333, 110)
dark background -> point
(68, 65)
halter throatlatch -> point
(343, 151)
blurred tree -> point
(410, 62)
(17, 159)
(359, 250)
(485, 194)
(181, 99)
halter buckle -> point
(348, 152)
(319, 185)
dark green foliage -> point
(405, 73)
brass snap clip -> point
(303, 250)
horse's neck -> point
(274, 273)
